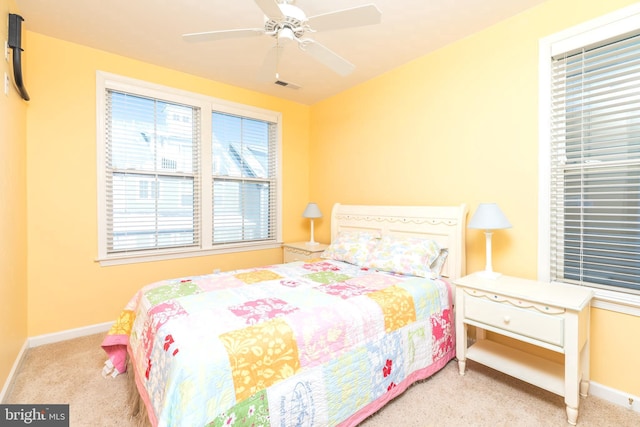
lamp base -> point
(312, 243)
(488, 274)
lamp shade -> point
(312, 211)
(488, 216)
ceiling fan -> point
(287, 23)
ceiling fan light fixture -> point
(285, 35)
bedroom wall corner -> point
(13, 214)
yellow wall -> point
(465, 115)
(13, 213)
(460, 125)
(67, 288)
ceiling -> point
(151, 31)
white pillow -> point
(352, 247)
(405, 255)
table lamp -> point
(489, 217)
(312, 211)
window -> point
(182, 174)
(590, 155)
(243, 184)
(151, 165)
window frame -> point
(608, 26)
(207, 105)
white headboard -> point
(444, 224)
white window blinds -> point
(595, 165)
(244, 179)
(152, 187)
(182, 174)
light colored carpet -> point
(69, 372)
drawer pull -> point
(506, 319)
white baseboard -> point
(16, 365)
(50, 339)
(614, 396)
(69, 334)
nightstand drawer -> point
(302, 251)
(292, 256)
(527, 322)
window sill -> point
(617, 301)
(188, 253)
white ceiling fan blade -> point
(354, 17)
(269, 69)
(222, 35)
(270, 8)
(328, 57)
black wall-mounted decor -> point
(15, 43)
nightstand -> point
(301, 251)
(552, 316)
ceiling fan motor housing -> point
(294, 20)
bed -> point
(322, 342)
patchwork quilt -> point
(315, 343)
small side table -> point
(302, 251)
(552, 316)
